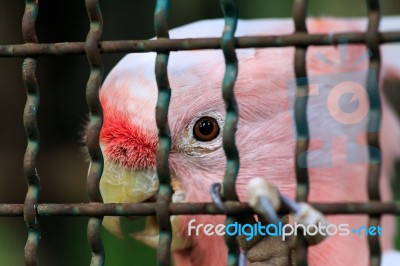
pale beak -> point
(123, 185)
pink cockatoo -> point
(265, 136)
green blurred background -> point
(62, 82)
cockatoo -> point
(265, 137)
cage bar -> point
(93, 131)
(374, 119)
(230, 11)
(164, 137)
(33, 138)
(301, 122)
(166, 45)
(196, 208)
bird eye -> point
(206, 129)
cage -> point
(37, 216)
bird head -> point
(129, 136)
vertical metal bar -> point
(230, 11)
(93, 132)
(374, 120)
(300, 113)
(164, 138)
(32, 134)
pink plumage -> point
(265, 136)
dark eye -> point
(206, 129)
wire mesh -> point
(164, 208)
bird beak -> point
(119, 184)
(150, 235)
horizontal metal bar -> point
(165, 45)
(203, 208)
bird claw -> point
(264, 198)
(215, 192)
(242, 258)
(268, 250)
(268, 211)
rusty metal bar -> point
(166, 45)
(164, 137)
(374, 121)
(32, 134)
(93, 131)
(230, 11)
(146, 209)
(300, 114)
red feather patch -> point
(127, 144)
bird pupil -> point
(206, 127)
